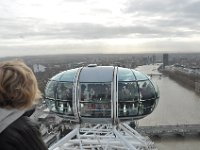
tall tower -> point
(154, 59)
(165, 60)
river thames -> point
(177, 105)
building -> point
(39, 68)
(165, 60)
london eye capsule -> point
(101, 94)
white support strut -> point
(104, 137)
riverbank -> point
(191, 82)
(177, 105)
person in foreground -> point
(18, 94)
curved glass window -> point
(96, 74)
(69, 75)
(51, 88)
(64, 94)
(125, 74)
(147, 97)
(139, 75)
(95, 100)
(60, 106)
(59, 95)
(57, 77)
(147, 90)
(64, 91)
(128, 98)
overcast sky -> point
(32, 27)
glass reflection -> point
(139, 75)
(146, 107)
(125, 74)
(69, 75)
(148, 97)
(61, 107)
(64, 91)
(128, 98)
(95, 99)
(51, 88)
(59, 95)
(147, 91)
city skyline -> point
(90, 26)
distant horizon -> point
(138, 53)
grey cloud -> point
(13, 28)
(174, 14)
(172, 8)
(180, 14)
(155, 6)
(192, 10)
(175, 46)
(28, 28)
(174, 24)
(19, 50)
(96, 31)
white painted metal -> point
(115, 98)
(104, 137)
(75, 95)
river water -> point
(177, 105)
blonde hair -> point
(18, 85)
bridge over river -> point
(170, 130)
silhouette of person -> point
(143, 90)
(92, 93)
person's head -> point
(124, 88)
(144, 84)
(18, 85)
